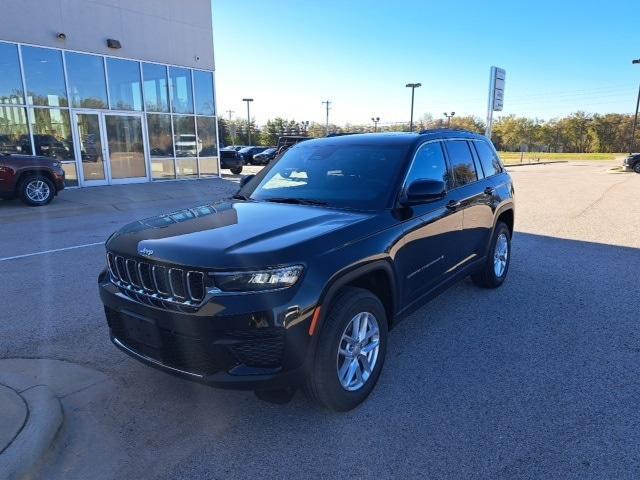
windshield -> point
(350, 176)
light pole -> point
(632, 145)
(449, 117)
(327, 103)
(413, 87)
(375, 121)
(248, 100)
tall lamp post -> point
(632, 145)
(327, 103)
(449, 117)
(248, 100)
(375, 121)
(413, 87)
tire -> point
(323, 384)
(236, 170)
(636, 167)
(490, 276)
(36, 190)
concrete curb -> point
(43, 421)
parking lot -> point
(537, 379)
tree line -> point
(577, 133)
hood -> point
(232, 235)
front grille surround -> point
(167, 284)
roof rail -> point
(342, 134)
(443, 130)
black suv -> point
(632, 162)
(297, 279)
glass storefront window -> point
(181, 94)
(52, 133)
(207, 145)
(186, 146)
(161, 146)
(87, 86)
(10, 80)
(156, 92)
(14, 133)
(126, 147)
(44, 76)
(203, 83)
(207, 142)
(124, 84)
(70, 174)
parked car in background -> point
(35, 179)
(247, 153)
(265, 157)
(632, 162)
(297, 279)
(230, 159)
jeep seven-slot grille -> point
(159, 282)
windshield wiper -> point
(296, 201)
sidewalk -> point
(122, 197)
(32, 397)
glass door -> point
(112, 148)
(90, 148)
(125, 148)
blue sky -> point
(560, 56)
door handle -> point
(489, 190)
(453, 205)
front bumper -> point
(242, 343)
(58, 178)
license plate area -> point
(140, 330)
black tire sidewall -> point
(636, 167)
(236, 170)
(23, 190)
(330, 391)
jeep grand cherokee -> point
(297, 279)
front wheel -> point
(636, 167)
(495, 269)
(37, 190)
(236, 170)
(351, 350)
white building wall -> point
(177, 32)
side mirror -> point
(424, 190)
(245, 180)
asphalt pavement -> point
(537, 379)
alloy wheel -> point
(501, 255)
(358, 351)
(37, 190)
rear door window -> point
(462, 165)
(488, 158)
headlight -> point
(258, 281)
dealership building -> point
(119, 91)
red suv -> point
(36, 180)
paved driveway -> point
(538, 379)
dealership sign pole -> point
(496, 96)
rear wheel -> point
(351, 350)
(236, 170)
(496, 266)
(36, 190)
